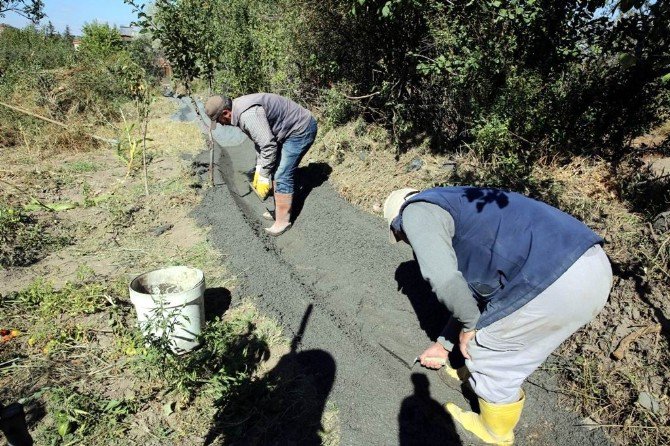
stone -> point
(662, 222)
(449, 166)
(414, 165)
(660, 167)
(648, 401)
(161, 229)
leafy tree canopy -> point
(30, 9)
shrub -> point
(337, 109)
(99, 41)
(27, 51)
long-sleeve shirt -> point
(254, 123)
(430, 230)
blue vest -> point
(509, 247)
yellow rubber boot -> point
(496, 422)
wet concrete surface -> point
(371, 312)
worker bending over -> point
(518, 276)
(282, 132)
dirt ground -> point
(77, 353)
(369, 310)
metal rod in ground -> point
(211, 157)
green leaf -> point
(386, 10)
(627, 60)
(64, 428)
(666, 78)
(111, 405)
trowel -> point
(440, 361)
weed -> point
(129, 146)
(81, 166)
(79, 416)
(72, 299)
(231, 349)
(24, 240)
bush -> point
(336, 108)
(258, 53)
(565, 77)
(28, 51)
(99, 42)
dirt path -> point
(371, 309)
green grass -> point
(81, 166)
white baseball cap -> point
(392, 207)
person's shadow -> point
(424, 421)
(217, 302)
(307, 179)
(431, 314)
(284, 406)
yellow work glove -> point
(263, 187)
(256, 175)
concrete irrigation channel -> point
(371, 312)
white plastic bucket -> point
(170, 305)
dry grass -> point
(364, 168)
(171, 137)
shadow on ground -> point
(424, 421)
(217, 301)
(308, 178)
(432, 315)
(283, 406)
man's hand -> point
(429, 358)
(463, 338)
(263, 186)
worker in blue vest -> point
(518, 277)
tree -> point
(67, 34)
(187, 32)
(100, 40)
(31, 9)
(50, 30)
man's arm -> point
(255, 124)
(430, 229)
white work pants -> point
(506, 352)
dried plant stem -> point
(620, 352)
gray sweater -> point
(430, 229)
(269, 120)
